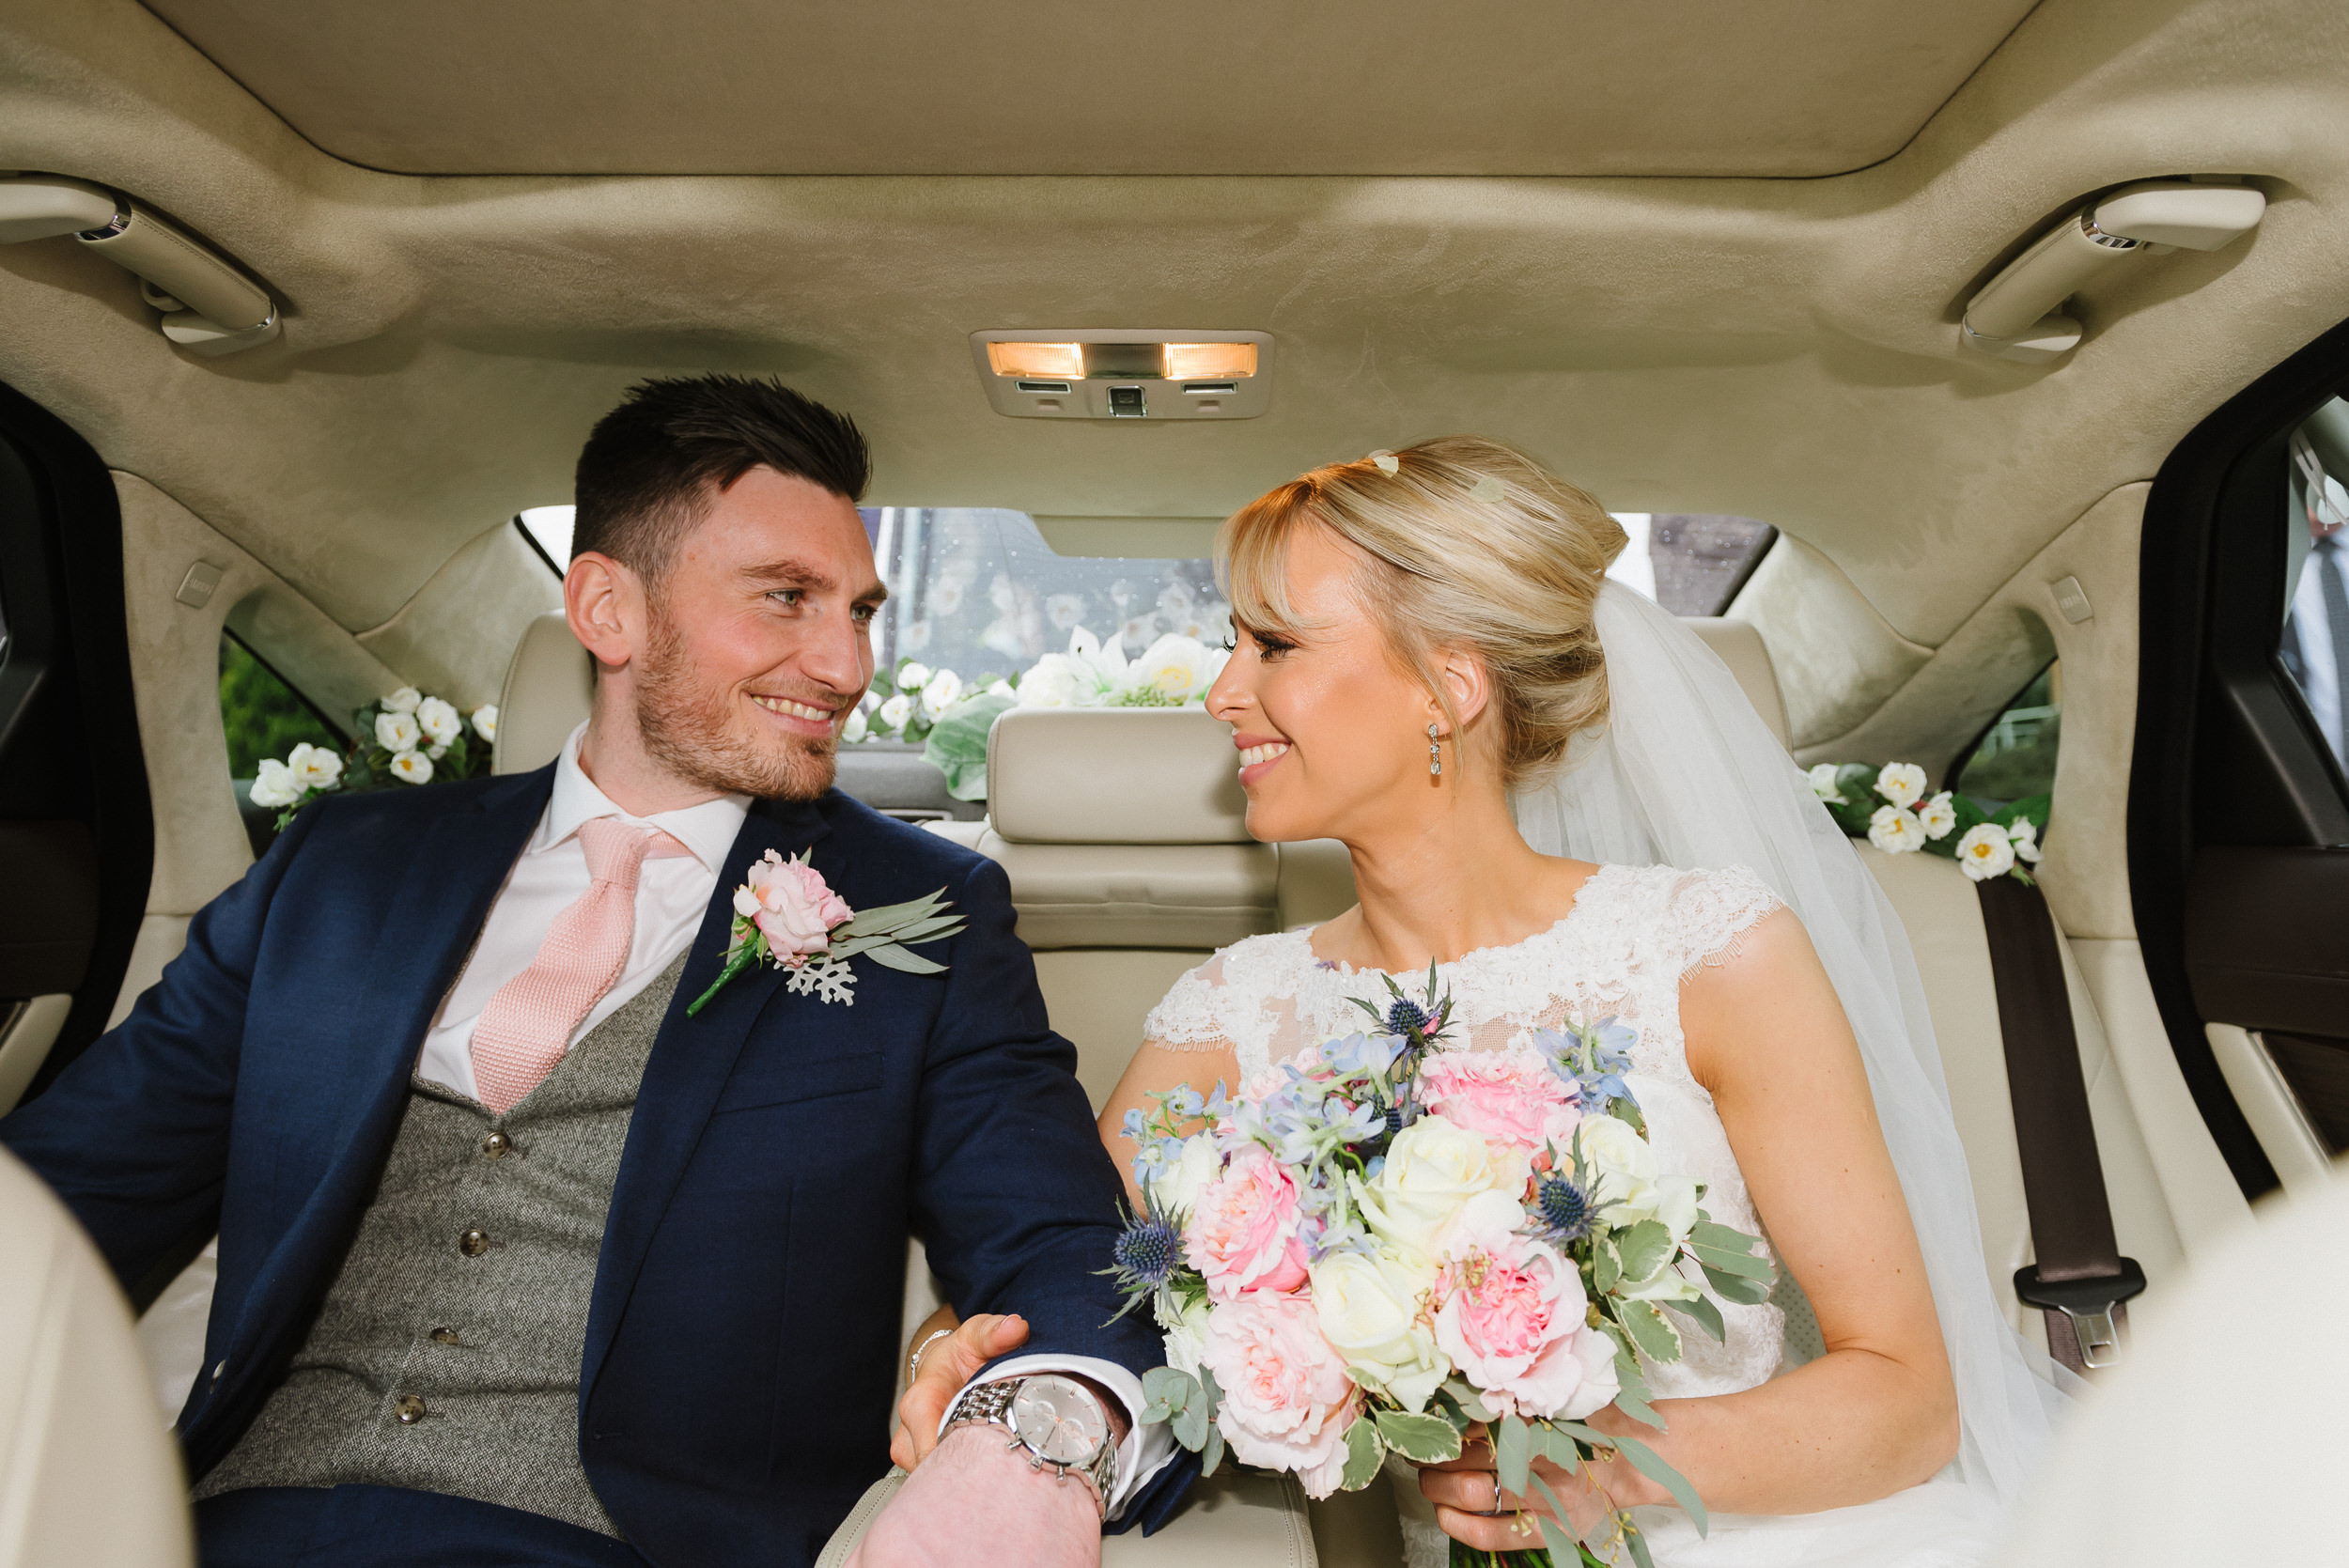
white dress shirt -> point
(2319, 684)
(673, 894)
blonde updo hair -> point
(1466, 543)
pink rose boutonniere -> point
(786, 913)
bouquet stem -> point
(1466, 1556)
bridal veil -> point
(1686, 773)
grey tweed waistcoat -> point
(447, 1356)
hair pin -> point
(1487, 488)
(1388, 462)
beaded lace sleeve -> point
(1711, 911)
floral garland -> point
(951, 717)
(1983, 843)
(406, 737)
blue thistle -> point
(1565, 1208)
(1146, 1256)
(1405, 1017)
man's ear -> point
(604, 602)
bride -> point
(1552, 791)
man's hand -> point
(946, 1366)
(978, 1504)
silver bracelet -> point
(913, 1362)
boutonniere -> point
(785, 914)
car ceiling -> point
(1781, 347)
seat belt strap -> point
(2080, 1280)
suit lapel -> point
(453, 874)
(692, 1059)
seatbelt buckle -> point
(2088, 1304)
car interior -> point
(1972, 378)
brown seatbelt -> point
(2080, 1279)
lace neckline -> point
(1474, 956)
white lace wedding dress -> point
(1632, 935)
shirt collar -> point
(708, 829)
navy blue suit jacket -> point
(742, 1351)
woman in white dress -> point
(1552, 792)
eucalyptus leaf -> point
(1702, 1310)
(1657, 1340)
(1557, 1529)
(1166, 1389)
(896, 957)
(1211, 1455)
(1734, 1263)
(1638, 1546)
(1638, 1408)
(1643, 1248)
(1472, 1403)
(1214, 1390)
(1363, 1452)
(1424, 1439)
(1721, 1238)
(1512, 1454)
(1737, 1288)
(1650, 1464)
(1555, 1446)
(1190, 1425)
(866, 921)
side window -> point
(2015, 757)
(1690, 563)
(263, 717)
(2315, 643)
(549, 531)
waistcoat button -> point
(409, 1408)
(446, 1336)
(497, 1145)
(474, 1242)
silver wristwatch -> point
(1058, 1421)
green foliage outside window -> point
(262, 715)
(2016, 758)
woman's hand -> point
(946, 1365)
(1472, 1509)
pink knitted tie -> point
(527, 1025)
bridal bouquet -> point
(1382, 1242)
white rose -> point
(854, 730)
(913, 677)
(396, 731)
(1938, 816)
(1822, 783)
(1622, 1170)
(1176, 1184)
(1895, 832)
(1434, 1167)
(1178, 668)
(1053, 683)
(2024, 834)
(940, 694)
(439, 719)
(403, 701)
(1985, 851)
(1368, 1309)
(1901, 783)
(485, 721)
(273, 784)
(411, 767)
(314, 767)
(895, 711)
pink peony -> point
(790, 902)
(1242, 1233)
(1286, 1399)
(1512, 1316)
(1506, 1097)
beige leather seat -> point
(88, 1473)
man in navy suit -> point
(520, 1262)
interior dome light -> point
(1049, 361)
(1202, 362)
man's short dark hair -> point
(651, 464)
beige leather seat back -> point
(88, 1473)
(1124, 834)
(549, 689)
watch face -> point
(1058, 1420)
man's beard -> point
(687, 729)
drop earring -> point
(1435, 754)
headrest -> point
(1114, 775)
(1749, 659)
(549, 691)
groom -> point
(520, 1262)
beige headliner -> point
(1781, 349)
(1084, 87)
